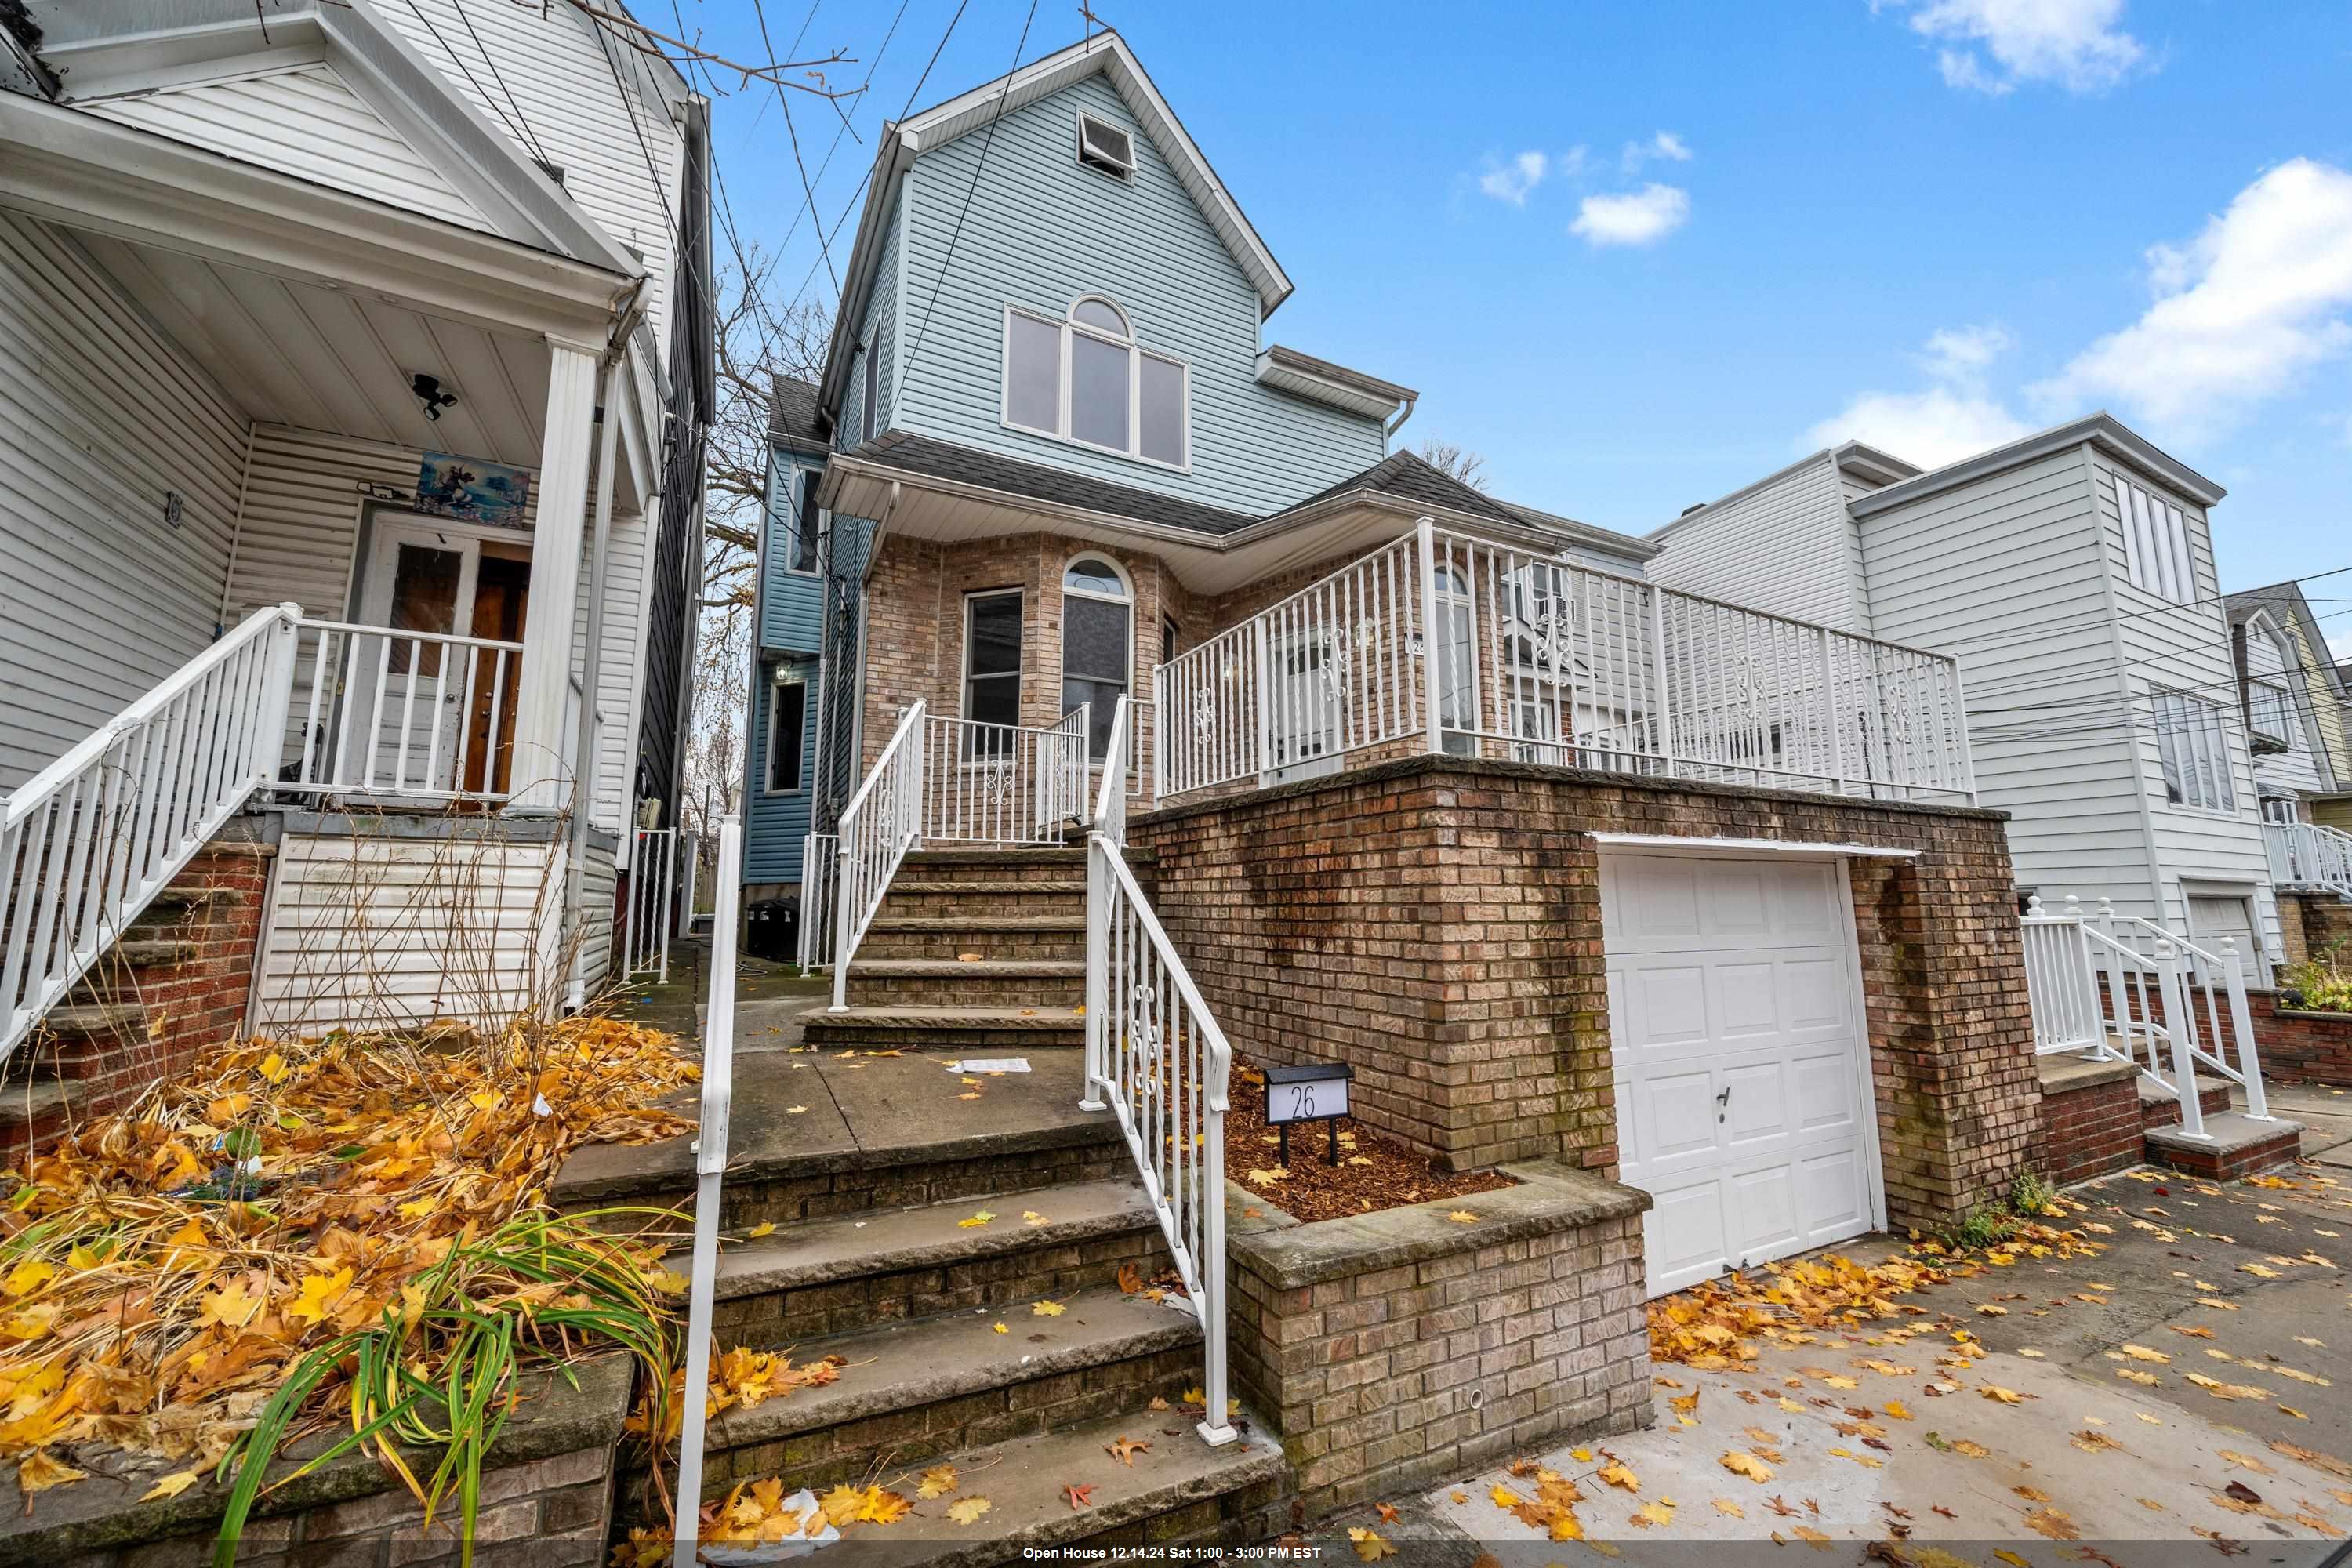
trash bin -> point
(772, 929)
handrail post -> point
(1216, 1424)
(1097, 1065)
(709, 1175)
(1830, 716)
(1263, 690)
(1663, 702)
(1425, 536)
(2241, 1022)
(2176, 1013)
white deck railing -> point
(87, 841)
(1004, 783)
(1156, 1058)
(387, 716)
(882, 821)
(2126, 987)
(2308, 855)
(1538, 657)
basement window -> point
(1105, 147)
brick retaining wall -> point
(2313, 1047)
(1437, 923)
(2090, 1119)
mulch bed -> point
(1374, 1172)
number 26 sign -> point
(1308, 1092)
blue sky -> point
(1640, 255)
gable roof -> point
(793, 414)
(1105, 54)
(1410, 478)
(2283, 602)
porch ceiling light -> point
(428, 392)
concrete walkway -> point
(2326, 1117)
(2225, 1305)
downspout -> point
(1387, 432)
(583, 743)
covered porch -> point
(288, 454)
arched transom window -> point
(1086, 379)
(1098, 643)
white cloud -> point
(1997, 44)
(1938, 423)
(1665, 146)
(1639, 218)
(1511, 182)
(2241, 311)
(1954, 352)
(1930, 428)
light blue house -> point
(1063, 452)
(780, 750)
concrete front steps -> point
(2234, 1143)
(979, 948)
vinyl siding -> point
(2185, 648)
(2295, 770)
(378, 931)
(305, 122)
(565, 91)
(792, 604)
(100, 599)
(301, 520)
(774, 825)
(599, 883)
(2006, 573)
(1040, 230)
(1785, 546)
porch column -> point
(542, 775)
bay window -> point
(1085, 379)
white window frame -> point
(767, 763)
(799, 522)
(1136, 353)
(2158, 556)
(964, 676)
(1124, 174)
(2271, 710)
(2190, 732)
(2281, 809)
(1126, 598)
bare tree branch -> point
(628, 30)
(1457, 462)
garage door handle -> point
(1723, 1097)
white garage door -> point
(1743, 1088)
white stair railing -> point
(2309, 855)
(2178, 1007)
(86, 843)
(1156, 1058)
(884, 820)
(2062, 983)
(1004, 783)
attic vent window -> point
(1104, 146)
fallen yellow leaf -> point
(173, 1485)
(967, 1510)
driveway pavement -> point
(2183, 1395)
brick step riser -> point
(843, 1034)
(995, 865)
(948, 946)
(1006, 1283)
(2156, 1114)
(920, 1434)
(748, 1199)
(1047, 992)
(2238, 1162)
(1013, 901)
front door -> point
(419, 714)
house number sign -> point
(1308, 1092)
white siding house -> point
(2072, 574)
(231, 246)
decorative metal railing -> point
(645, 921)
(1535, 657)
(2308, 855)
(1004, 783)
(820, 854)
(1156, 1058)
(882, 821)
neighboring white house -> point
(2072, 574)
(317, 305)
